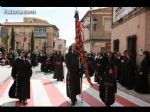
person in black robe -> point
(39, 57)
(141, 83)
(111, 62)
(11, 57)
(52, 61)
(48, 65)
(118, 64)
(58, 68)
(107, 88)
(105, 61)
(73, 74)
(99, 68)
(91, 64)
(43, 62)
(33, 59)
(130, 72)
(123, 73)
(21, 73)
(2, 50)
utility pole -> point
(76, 11)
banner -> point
(80, 48)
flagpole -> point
(23, 45)
(90, 26)
(76, 11)
(81, 83)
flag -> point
(79, 29)
(80, 48)
(25, 39)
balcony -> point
(40, 34)
(101, 37)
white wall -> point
(87, 47)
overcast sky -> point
(62, 17)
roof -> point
(28, 24)
(96, 10)
(25, 24)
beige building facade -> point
(60, 44)
(131, 30)
(97, 30)
(45, 34)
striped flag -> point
(79, 29)
(80, 48)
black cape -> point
(21, 73)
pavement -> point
(5, 73)
(47, 92)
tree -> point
(12, 42)
(45, 46)
(32, 41)
(6, 40)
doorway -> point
(116, 45)
(131, 46)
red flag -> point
(80, 31)
(80, 47)
(25, 39)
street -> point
(46, 91)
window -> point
(116, 45)
(40, 29)
(17, 31)
(26, 31)
(35, 29)
(94, 27)
(36, 47)
(44, 29)
(107, 25)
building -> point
(131, 30)
(97, 30)
(45, 34)
(60, 44)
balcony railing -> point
(40, 34)
(102, 37)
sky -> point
(62, 17)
